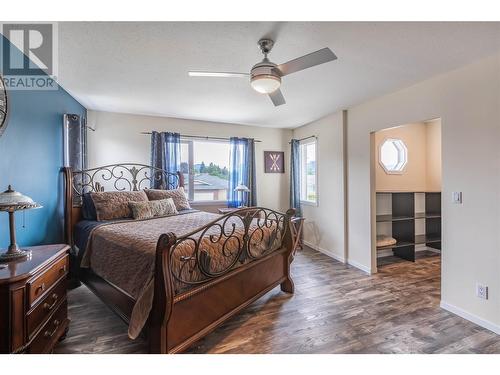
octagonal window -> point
(393, 155)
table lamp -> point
(241, 189)
(12, 201)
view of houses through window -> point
(308, 171)
(205, 165)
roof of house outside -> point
(204, 181)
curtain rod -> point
(303, 139)
(203, 137)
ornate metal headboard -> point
(113, 177)
(123, 177)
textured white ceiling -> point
(142, 67)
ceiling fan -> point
(265, 76)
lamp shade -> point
(11, 200)
(241, 187)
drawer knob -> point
(40, 288)
(50, 334)
(62, 269)
(48, 307)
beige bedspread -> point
(123, 253)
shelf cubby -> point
(402, 218)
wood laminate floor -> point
(335, 309)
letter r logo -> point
(35, 41)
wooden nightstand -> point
(33, 304)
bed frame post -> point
(163, 298)
(181, 179)
(68, 205)
(287, 286)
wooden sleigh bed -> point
(181, 316)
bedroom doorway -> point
(406, 183)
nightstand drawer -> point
(51, 331)
(46, 307)
(33, 294)
(42, 283)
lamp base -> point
(10, 256)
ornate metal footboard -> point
(208, 275)
(224, 244)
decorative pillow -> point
(178, 196)
(163, 207)
(141, 210)
(114, 204)
(88, 208)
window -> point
(205, 165)
(308, 172)
(393, 156)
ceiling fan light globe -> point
(265, 84)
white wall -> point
(468, 102)
(117, 139)
(324, 225)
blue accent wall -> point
(31, 157)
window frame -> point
(307, 142)
(190, 142)
(402, 169)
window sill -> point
(208, 203)
(309, 203)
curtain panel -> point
(166, 155)
(295, 177)
(75, 141)
(242, 172)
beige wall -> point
(468, 102)
(433, 166)
(117, 139)
(324, 225)
(413, 177)
(423, 169)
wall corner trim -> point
(345, 182)
(470, 317)
(324, 251)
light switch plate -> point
(457, 197)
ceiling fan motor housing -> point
(265, 71)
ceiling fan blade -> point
(198, 73)
(307, 61)
(277, 98)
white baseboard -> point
(324, 251)
(340, 259)
(471, 317)
(360, 266)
